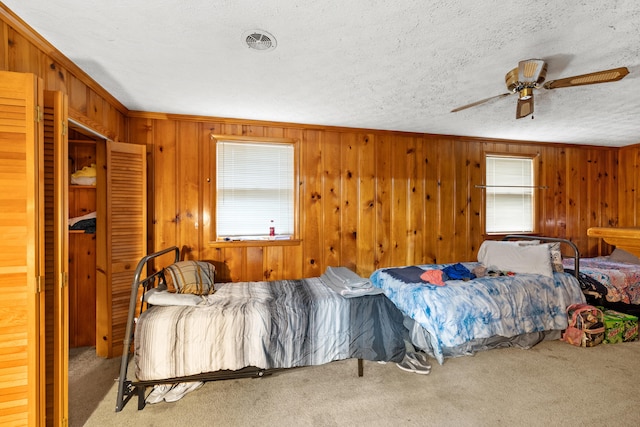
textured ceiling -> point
(395, 65)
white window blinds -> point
(509, 194)
(255, 189)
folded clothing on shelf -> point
(84, 176)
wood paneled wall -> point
(23, 50)
(629, 188)
(368, 199)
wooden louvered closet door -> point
(56, 249)
(22, 382)
(121, 237)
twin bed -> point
(248, 329)
(253, 328)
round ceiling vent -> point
(260, 40)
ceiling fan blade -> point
(482, 101)
(530, 70)
(605, 76)
(525, 107)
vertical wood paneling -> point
(385, 201)
(82, 290)
(311, 203)
(562, 194)
(294, 255)
(610, 171)
(350, 200)
(547, 197)
(368, 200)
(593, 184)
(366, 224)
(629, 187)
(431, 200)
(23, 56)
(77, 95)
(445, 194)
(55, 77)
(187, 156)
(397, 199)
(164, 192)
(273, 261)
(415, 201)
(475, 216)
(234, 270)
(331, 191)
(461, 187)
(254, 265)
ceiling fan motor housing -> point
(525, 88)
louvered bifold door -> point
(56, 214)
(121, 238)
(21, 251)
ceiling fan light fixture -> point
(525, 93)
(532, 71)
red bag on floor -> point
(586, 326)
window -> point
(510, 192)
(255, 188)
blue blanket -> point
(484, 307)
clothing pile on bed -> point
(438, 277)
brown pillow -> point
(190, 277)
(620, 255)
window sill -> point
(253, 243)
(501, 235)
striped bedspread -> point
(278, 324)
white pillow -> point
(156, 296)
(505, 256)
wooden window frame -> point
(534, 157)
(213, 235)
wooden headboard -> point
(623, 238)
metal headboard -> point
(574, 248)
(125, 389)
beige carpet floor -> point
(552, 384)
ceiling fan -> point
(530, 75)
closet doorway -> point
(83, 186)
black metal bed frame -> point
(128, 388)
